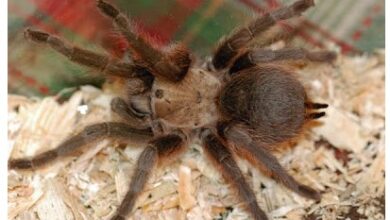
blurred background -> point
(352, 26)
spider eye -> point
(159, 93)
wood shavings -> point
(187, 201)
(337, 126)
(284, 210)
(162, 190)
(53, 204)
(22, 198)
(14, 101)
(343, 157)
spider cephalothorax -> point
(241, 102)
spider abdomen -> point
(268, 100)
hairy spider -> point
(239, 102)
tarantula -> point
(236, 103)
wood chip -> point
(185, 189)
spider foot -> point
(35, 35)
(107, 9)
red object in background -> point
(67, 15)
(77, 19)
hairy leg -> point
(223, 158)
(84, 57)
(282, 32)
(159, 148)
(172, 67)
(231, 46)
(259, 155)
(120, 107)
(90, 134)
(256, 56)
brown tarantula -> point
(237, 103)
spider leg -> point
(282, 32)
(223, 158)
(90, 134)
(161, 147)
(84, 57)
(258, 155)
(120, 107)
(230, 47)
(255, 56)
(172, 67)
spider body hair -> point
(268, 100)
(186, 104)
